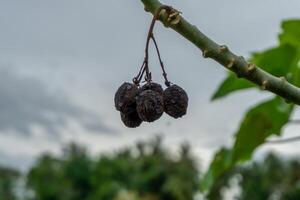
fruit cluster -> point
(148, 102)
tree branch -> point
(295, 121)
(221, 54)
(283, 141)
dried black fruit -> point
(175, 101)
(131, 120)
(125, 97)
(150, 105)
(152, 86)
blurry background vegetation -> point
(146, 171)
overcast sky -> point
(62, 61)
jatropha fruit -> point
(148, 102)
(125, 97)
(125, 103)
(150, 106)
(175, 101)
(131, 120)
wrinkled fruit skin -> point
(152, 86)
(131, 120)
(150, 105)
(125, 98)
(175, 101)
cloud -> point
(19, 162)
(26, 101)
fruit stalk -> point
(150, 36)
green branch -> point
(221, 54)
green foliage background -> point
(147, 171)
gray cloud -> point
(20, 162)
(25, 101)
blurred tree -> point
(46, 179)
(65, 178)
(271, 179)
(148, 171)
(77, 169)
(145, 172)
(8, 179)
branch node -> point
(174, 17)
(264, 85)
(231, 63)
(223, 49)
(251, 67)
(282, 78)
(162, 12)
(205, 53)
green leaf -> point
(291, 33)
(259, 123)
(290, 36)
(231, 84)
(277, 61)
(222, 161)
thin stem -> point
(286, 140)
(142, 74)
(296, 121)
(167, 82)
(145, 67)
(149, 36)
(138, 77)
(282, 141)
